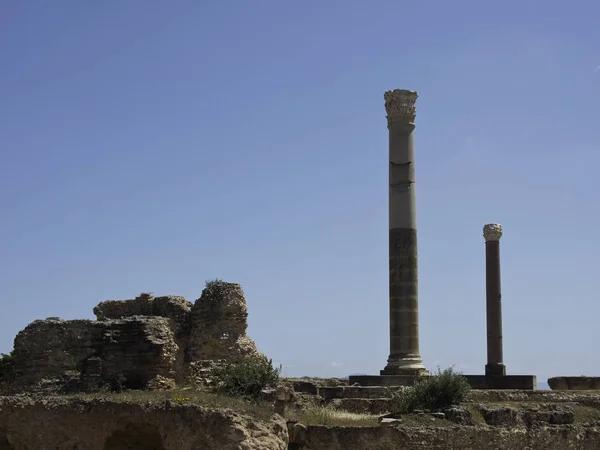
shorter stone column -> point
(495, 371)
(495, 364)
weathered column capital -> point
(492, 232)
(400, 106)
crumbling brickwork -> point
(173, 307)
(129, 352)
(135, 343)
(219, 319)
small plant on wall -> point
(7, 362)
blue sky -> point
(150, 146)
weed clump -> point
(7, 363)
(210, 284)
(246, 377)
(435, 392)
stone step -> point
(375, 406)
(355, 392)
(329, 393)
(380, 405)
(591, 398)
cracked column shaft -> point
(492, 232)
(404, 356)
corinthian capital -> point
(400, 106)
(492, 232)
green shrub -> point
(434, 392)
(7, 366)
(246, 377)
(209, 284)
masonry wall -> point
(62, 423)
(137, 340)
(218, 323)
(136, 349)
(49, 348)
(173, 307)
(563, 437)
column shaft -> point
(495, 364)
(404, 358)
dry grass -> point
(183, 396)
(326, 415)
(585, 414)
(328, 382)
(475, 412)
(424, 420)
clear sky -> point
(150, 146)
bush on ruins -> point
(435, 392)
(6, 366)
(246, 377)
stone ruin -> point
(148, 342)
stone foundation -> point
(563, 437)
(502, 381)
(574, 383)
(476, 381)
(93, 424)
(383, 380)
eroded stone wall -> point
(48, 348)
(173, 307)
(142, 305)
(136, 341)
(560, 437)
(130, 351)
(91, 424)
(219, 319)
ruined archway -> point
(135, 437)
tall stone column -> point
(492, 233)
(404, 356)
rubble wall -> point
(135, 348)
(219, 319)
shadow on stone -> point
(501, 416)
(458, 415)
(133, 436)
(4, 444)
